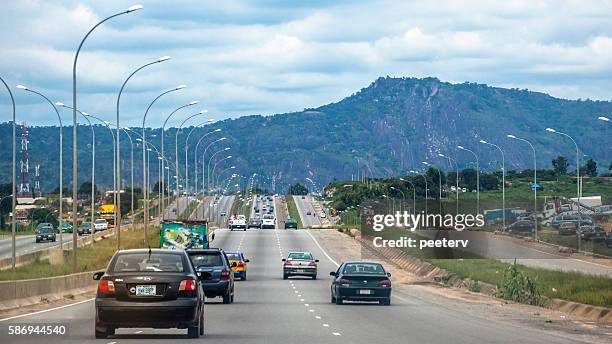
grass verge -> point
(88, 258)
(573, 286)
(293, 211)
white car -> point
(238, 222)
(322, 215)
(268, 221)
(100, 225)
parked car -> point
(153, 288)
(520, 226)
(213, 261)
(291, 223)
(361, 281)
(591, 233)
(300, 264)
(573, 217)
(45, 232)
(85, 227)
(567, 228)
(240, 266)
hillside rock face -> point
(385, 129)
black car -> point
(521, 226)
(609, 239)
(361, 281)
(591, 233)
(45, 232)
(214, 262)
(85, 228)
(254, 223)
(153, 288)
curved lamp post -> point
(61, 185)
(209, 121)
(209, 175)
(535, 181)
(439, 184)
(14, 178)
(426, 187)
(144, 160)
(503, 182)
(456, 178)
(477, 177)
(74, 131)
(413, 194)
(176, 135)
(204, 162)
(195, 158)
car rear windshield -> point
(363, 269)
(207, 259)
(233, 256)
(268, 217)
(300, 256)
(101, 221)
(45, 230)
(143, 262)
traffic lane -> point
(419, 319)
(303, 208)
(27, 244)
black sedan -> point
(254, 223)
(361, 281)
(149, 288)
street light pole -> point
(14, 178)
(426, 187)
(74, 133)
(578, 191)
(456, 179)
(413, 194)
(503, 182)
(477, 178)
(178, 131)
(61, 185)
(204, 161)
(439, 185)
(186, 154)
(118, 148)
(535, 181)
(208, 175)
(144, 161)
(162, 145)
(93, 165)
(195, 158)
(215, 166)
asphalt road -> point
(27, 244)
(269, 309)
(304, 206)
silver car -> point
(300, 264)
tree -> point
(469, 177)
(298, 189)
(40, 215)
(590, 168)
(85, 189)
(489, 181)
(610, 167)
(560, 165)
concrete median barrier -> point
(14, 294)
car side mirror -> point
(333, 273)
(388, 274)
(203, 275)
(234, 264)
(284, 260)
(316, 260)
(247, 260)
(98, 275)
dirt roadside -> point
(342, 247)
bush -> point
(472, 285)
(517, 286)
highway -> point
(304, 206)
(269, 309)
(27, 244)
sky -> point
(266, 57)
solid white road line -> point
(46, 310)
(321, 248)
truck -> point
(107, 212)
(237, 222)
(184, 234)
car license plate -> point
(299, 270)
(146, 290)
(365, 291)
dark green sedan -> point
(291, 223)
(361, 281)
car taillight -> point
(287, 263)
(385, 283)
(312, 264)
(106, 287)
(225, 275)
(344, 282)
(187, 286)
(240, 264)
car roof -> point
(153, 251)
(360, 262)
(299, 252)
(203, 250)
(234, 252)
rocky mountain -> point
(385, 129)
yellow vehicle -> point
(240, 268)
(107, 212)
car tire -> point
(386, 302)
(226, 298)
(101, 334)
(339, 301)
(202, 322)
(285, 276)
(37, 241)
(333, 299)
(243, 277)
(193, 332)
(314, 277)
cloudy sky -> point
(266, 57)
